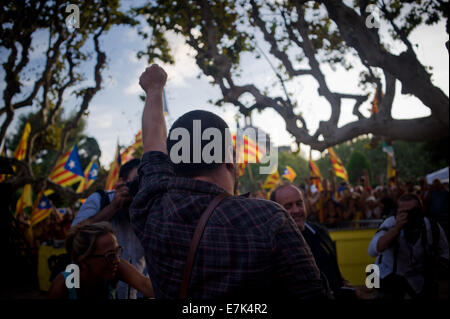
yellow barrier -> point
(352, 246)
(43, 271)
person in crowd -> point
(94, 249)
(372, 209)
(113, 207)
(351, 204)
(313, 202)
(410, 250)
(317, 237)
(249, 247)
(258, 194)
(387, 203)
(436, 202)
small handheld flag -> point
(272, 180)
(289, 173)
(24, 200)
(339, 168)
(67, 170)
(21, 149)
(42, 209)
(90, 175)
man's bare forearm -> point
(154, 131)
(386, 240)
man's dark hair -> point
(411, 196)
(126, 168)
(186, 121)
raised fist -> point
(153, 78)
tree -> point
(68, 53)
(312, 33)
(413, 160)
(356, 165)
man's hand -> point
(121, 196)
(401, 220)
(153, 79)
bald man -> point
(323, 249)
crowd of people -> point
(185, 234)
(335, 204)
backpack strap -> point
(435, 236)
(196, 240)
(104, 198)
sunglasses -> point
(110, 256)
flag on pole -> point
(289, 173)
(21, 150)
(113, 175)
(90, 175)
(3, 153)
(239, 155)
(376, 103)
(24, 201)
(247, 152)
(272, 180)
(127, 154)
(389, 150)
(241, 169)
(67, 170)
(314, 172)
(41, 210)
(391, 167)
(165, 108)
(339, 168)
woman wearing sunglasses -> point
(94, 249)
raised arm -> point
(154, 131)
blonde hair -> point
(81, 239)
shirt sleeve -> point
(443, 243)
(295, 267)
(384, 227)
(89, 208)
(155, 172)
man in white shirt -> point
(406, 245)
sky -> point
(115, 112)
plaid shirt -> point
(250, 247)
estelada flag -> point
(127, 154)
(113, 175)
(90, 175)
(21, 150)
(67, 170)
(272, 180)
(316, 175)
(339, 168)
(24, 201)
(41, 210)
(289, 173)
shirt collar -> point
(310, 228)
(193, 185)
